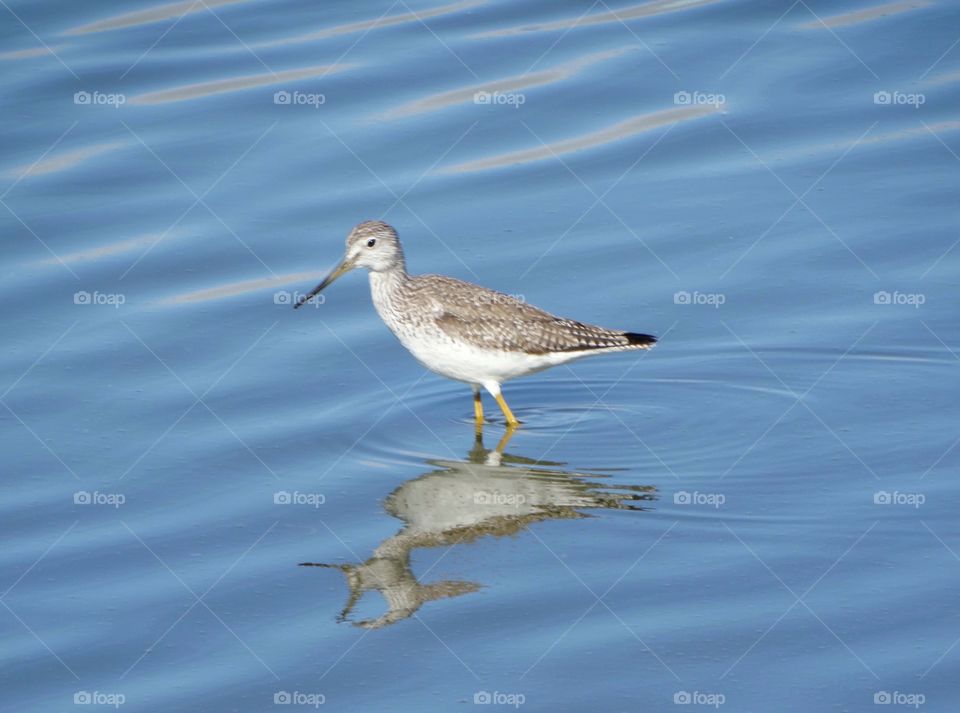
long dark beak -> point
(345, 266)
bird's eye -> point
(371, 242)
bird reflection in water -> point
(491, 493)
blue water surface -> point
(757, 515)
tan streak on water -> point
(63, 161)
(145, 17)
(948, 78)
(840, 147)
(234, 84)
(239, 288)
(103, 251)
(648, 9)
(870, 13)
(28, 54)
(375, 23)
(610, 134)
(902, 134)
(506, 84)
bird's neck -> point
(385, 283)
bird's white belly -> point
(450, 357)
(464, 362)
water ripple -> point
(616, 132)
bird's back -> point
(489, 319)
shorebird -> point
(464, 331)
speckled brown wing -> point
(492, 320)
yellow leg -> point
(477, 409)
(512, 421)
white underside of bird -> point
(454, 358)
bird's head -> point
(372, 244)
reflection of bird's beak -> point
(346, 265)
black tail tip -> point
(641, 340)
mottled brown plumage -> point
(493, 320)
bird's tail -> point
(644, 341)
